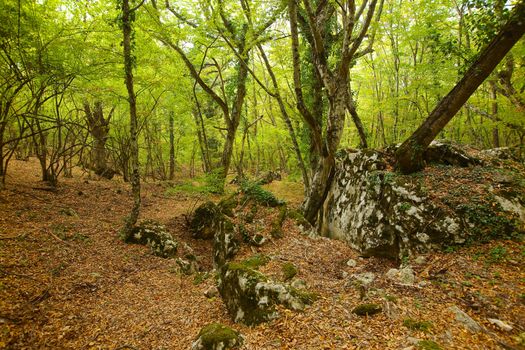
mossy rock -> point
(289, 271)
(217, 336)
(367, 309)
(228, 204)
(416, 325)
(277, 224)
(428, 345)
(155, 236)
(251, 297)
(204, 219)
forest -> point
(249, 174)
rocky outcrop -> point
(383, 213)
(217, 336)
(155, 236)
(251, 297)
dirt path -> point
(68, 282)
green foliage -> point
(252, 190)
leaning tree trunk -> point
(131, 220)
(409, 156)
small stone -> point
(465, 319)
(502, 325)
(404, 276)
(351, 263)
(345, 274)
(420, 260)
(211, 292)
(392, 274)
(364, 278)
(413, 341)
(367, 309)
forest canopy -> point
(242, 87)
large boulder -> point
(154, 235)
(217, 336)
(383, 213)
(251, 297)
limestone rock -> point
(217, 336)
(298, 284)
(502, 325)
(364, 278)
(202, 224)
(465, 319)
(403, 276)
(155, 236)
(351, 263)
(251, 297)
(211, 292)
(225, 242)
(382, 213)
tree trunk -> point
(172, 148)
(409, 156)
(127, 20)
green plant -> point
(423, 326)
(254, 191)
(497, 254)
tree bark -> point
(127, 20)
(409, 156)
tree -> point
(128, 16)
(335, 79)
(409, 156)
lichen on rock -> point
(154, 235)
(383, 213)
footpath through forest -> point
(68, 282)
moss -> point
(216, 333)
(256, 261)
(417, 325)
(289, 271)
(367, 309)
(428, 345)
(202, 222)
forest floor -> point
(68, 282)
